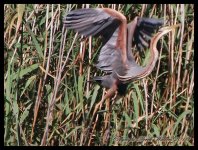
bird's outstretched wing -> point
(144, 31)
(104, 22)
(140, 31)
(91, 21)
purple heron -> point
(115, 56)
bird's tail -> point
(105, 81)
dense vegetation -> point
(48, 101)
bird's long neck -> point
(153, 54)
(152, 60)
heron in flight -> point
(115, 56)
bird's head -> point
(162, 31)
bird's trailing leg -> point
(108, 95)
(107, 119)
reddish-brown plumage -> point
(115, 57)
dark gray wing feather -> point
(90, 22)
(145, 29)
